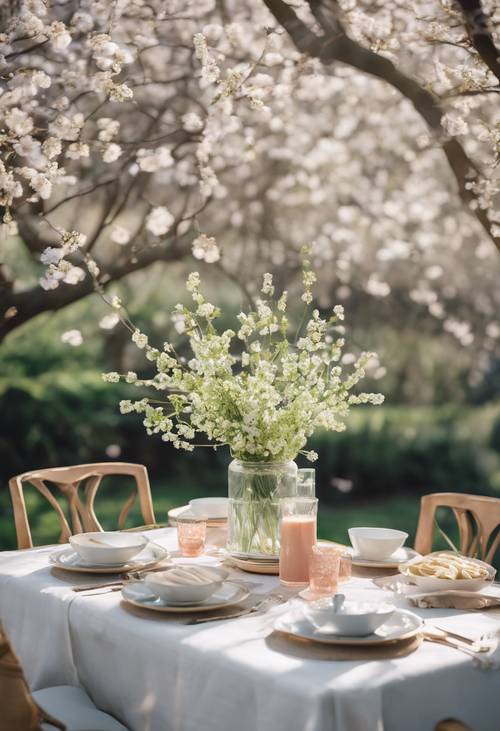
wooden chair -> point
(477, 517)
(23, 710)
(81, 507)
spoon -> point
(338, 601)
(91, 539)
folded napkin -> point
(455, 599)
(445, 599)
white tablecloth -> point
(156, 674)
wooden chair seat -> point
(79, 485)
(477, 516)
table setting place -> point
(316, 592)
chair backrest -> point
(477, 518)
(81, 506)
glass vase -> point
(255, 489)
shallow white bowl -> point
(432, 583)
(376, 543)
(184, 593)
(354, 619)
(101, 548)
(214, 508)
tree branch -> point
(478, 27)
(335, 45)
(19, 307)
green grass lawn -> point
(333, 522)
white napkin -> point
(489, 596)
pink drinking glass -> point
(191, 534)
(324, 567)
(297, 537)
(345, 569)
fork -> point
(121, 579)
(475, 644)
(272, 599)
(434, 634)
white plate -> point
(401, 626)
(215, 508)
(400, 556)
(264, 557)
(174, 512)
(433, 583)
(69, 560)
(256, 567)
(138, 594)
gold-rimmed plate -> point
(402, 625)
(68, 560)
(140, 595)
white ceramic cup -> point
(376, 544)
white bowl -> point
(214, 508)
(433, 583)
(185, 593)
(352, 619)
(376, 543)
(103, 548)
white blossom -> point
(108, 322)
(72, 337)
(205, 248)
(112, 152)
(59, 36)
(19, 121)
(120, 235)
(192, 122)
(152, 160)
(159, 221)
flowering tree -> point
(133, 133)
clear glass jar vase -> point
(255, 489)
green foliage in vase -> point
(255, 388)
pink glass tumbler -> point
(324, 567)
(297, 537)
(191, 534)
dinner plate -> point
(174, 512)
(402, 625)
(269, 557)
(256, 567)
(392, 562)
(140, 595)
(69, 560)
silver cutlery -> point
(462, 638)
(107, 590)
(434, 634)
(271, 600)
(120, 579)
